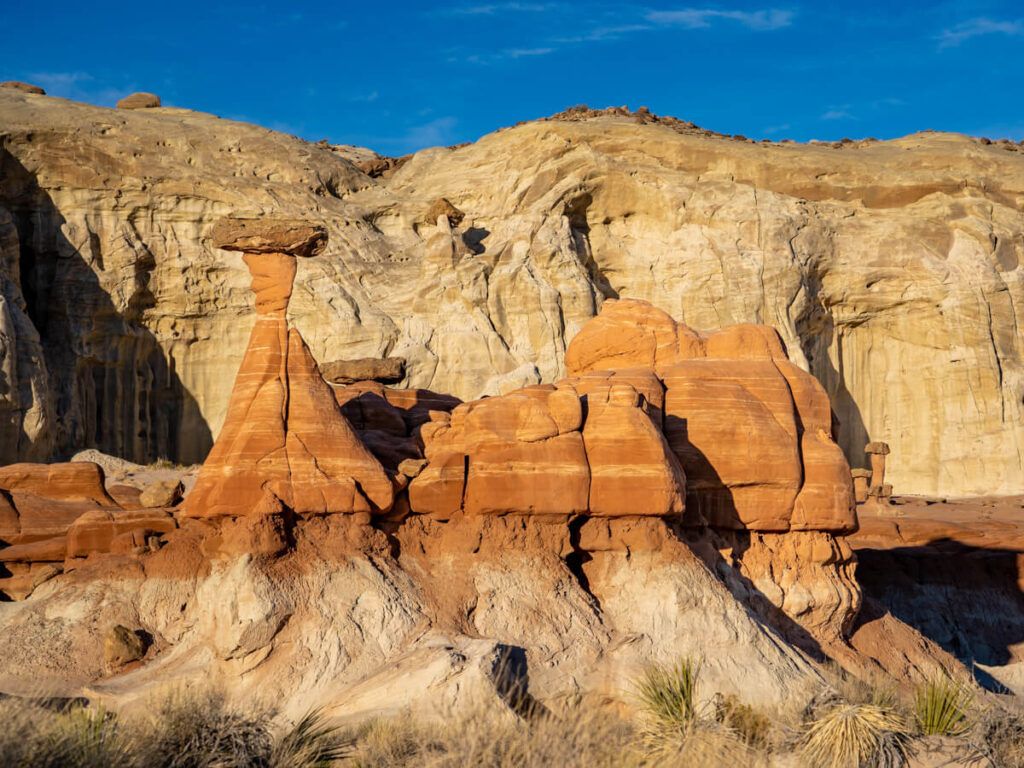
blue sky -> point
(399, 76)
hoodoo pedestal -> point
(285, 444)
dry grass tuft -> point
(182, 731)
(1000, 734)
(752, 726)
(33, 735)
(486, 736)
(855, 735)
(310, 743)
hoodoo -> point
(285, 444)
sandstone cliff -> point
(891, 269)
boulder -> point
(52, 549)
(122, 646)
(383, 369)
(861, 484)
(258, 236)
(643, 380)
(526, 454)
(751, 430)
(629, 333)
(140, 100)
(23, 87)
(520, 453)
(733, 426)
(442, 207)
(162, 493)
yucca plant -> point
(855, 736)
(311, 743)
(943, 707)
(668, 695)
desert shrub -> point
(943, 707)
(701, 743)
(202, 730)
(487, 736)
(855, 735)
(999, 733)
(35, 737)
(750, 725)
(387, 743)
(674, 732)
(668, 695)
(310, 743)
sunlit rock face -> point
(892, 279)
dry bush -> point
(855, 735)
(182, 731)
(751, 725)
(700, 744)
(999, 734)
(201, 730)
(487, 736)
(35, 736)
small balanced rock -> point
(387, 370)
(24, 87)
(139, 101)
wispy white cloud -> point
(977, 27)
(617, 22)
(492, 9)
(503, 55)
(600, 34)
(519, 53)
(773, 129)
(838, 113)
(80, 86)
(434, 133)
(765, 20)
(366, 98)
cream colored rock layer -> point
(891, 269)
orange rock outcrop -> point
(751, 430)
(285, 444)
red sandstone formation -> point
(752, 431)
(39, 501)
(53, 513)
(285, 443)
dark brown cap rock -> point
(26, 87)
(291, 236)
(139, 101)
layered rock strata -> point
(551, 534)
(890, 278)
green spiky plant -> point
(943, 707)
(668, 695)
(310, 743)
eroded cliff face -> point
(891, 269)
